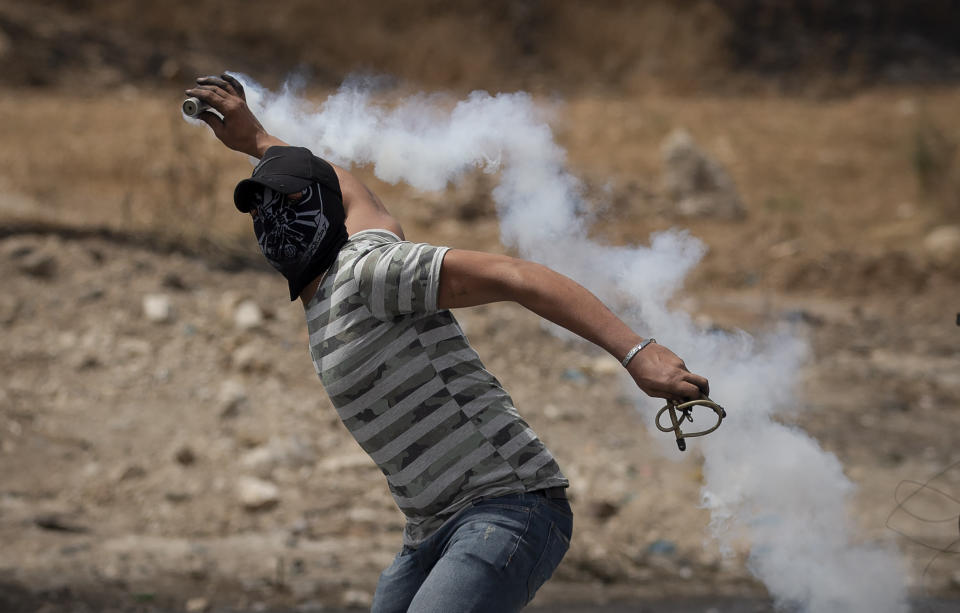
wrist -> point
(263, 141)
(635, 350)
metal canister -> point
(192, 107)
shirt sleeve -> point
(400, 278)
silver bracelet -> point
(636, 350)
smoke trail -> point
(766, 480)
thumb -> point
(212, 120)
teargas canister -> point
(192, 107)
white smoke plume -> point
(768, 481)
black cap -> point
(285, 170)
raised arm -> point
(240, 130)
(470, 278)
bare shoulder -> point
(364, 209)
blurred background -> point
(164, 442)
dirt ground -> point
(153, 366)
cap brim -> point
(246, 190)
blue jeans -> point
(492, 556)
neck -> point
(310, 290)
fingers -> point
(214, 90)
(211, 119)
(214, 96)
(679, 390)
(682, 386)
(226, 83)
(219, 93)
(237, 86)
(217, 82)
(701, 382)
(207, 96)
(687, 391)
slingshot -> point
(686, 413)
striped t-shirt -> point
(411, 390)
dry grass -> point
(842, 173)
(837, 164)
(126, 162)
(936, 164)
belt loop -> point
(558, 492)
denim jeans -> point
(492, 556)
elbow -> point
(523, 281)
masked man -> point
(487, 517)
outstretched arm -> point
(470, 278)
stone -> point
(290, 452)
(602, 509)
(785, 249)
(248, 315)
(174, 281)
(157, 308)
(227, 304)
(93, 294)
(698, 184)
(575, 375)
(942, 245)
(259, 461)
(185, 455)
(662, 547)
(133, 471)
(231, 397)
(57, 522)
(357, 599)
(295, 451)
(197, 605)
(359, 515)
(9, 308)
(84, 360)
(257, 494)
(336, 464)
(603, 367)
(40, 264)
(561, 413)
(250, 357)
(198, 567)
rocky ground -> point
(164, 437)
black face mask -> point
(301, 233)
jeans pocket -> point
(557, 545)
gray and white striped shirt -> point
(411, 390)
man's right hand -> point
(239, 129)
